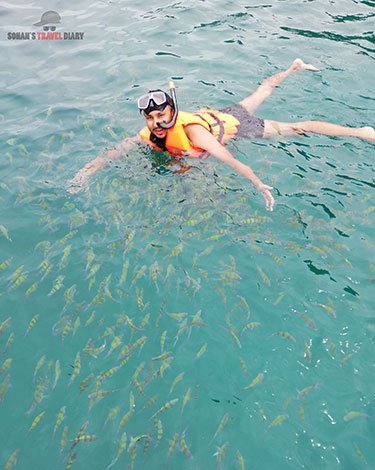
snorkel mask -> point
(158, 100)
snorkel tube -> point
(170, 124)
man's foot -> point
(367, 133)
(299, 65)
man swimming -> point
(203, 134)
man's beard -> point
(159, 142)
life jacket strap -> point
(218, 123)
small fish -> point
(64, 438)
(69, 294)
(240, 461)
(4, 387)
(130, 323)
(162, 340)
(261, 411)
(45, 245)
(185, 449)
(39, 364)
(307, 319)
(183, 326)
(235, 338)
(124, 272)
(301, 411)
(145, 321)
(59, 418)
(57, 373)
(94, 352)
(36, 420)
(165, 364)
(4, 325)
(258, 379)
(132, 451)
(66, 329)
(170, 271)
(125, 419)
(67, 237)
(219, 454)
(130, 347)
(264, 277)
(116, 342)
(307, 390)
(85, 382)
(80, 433)
(12, 460)
(94, 269)
(166, 406)
(18, 280)
(175, 251)
(201, 351)
(162, 356)
(177, 316)
(139, 274)
(359, 453)
(32, 323)
(345, 359)
(90, 319)
(287, 402)
(222, 424)
(279, 298)
(244, 366)
(113, 412)
(38, 396)
(77, 323)
(57, 285)
(32, 289)
(5, 366)
(159, 429)
(90, 256)
(285, 335)
(172, 444)
(9, 343)
(250, 326)
(186, 399)
(278, 420)
(5, 232)
(329, 309)
(84, 438)
(151, 401)
(138, 370)
(5, 264)
(354, 414)
(120, 450)
(306, 352)
(45, 267)
(76, 368)
(98, 395)
(71, 459)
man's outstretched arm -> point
(100, 162)
(200, 137)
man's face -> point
(154, 117)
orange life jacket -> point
(221, 125)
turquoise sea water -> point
(191, 311)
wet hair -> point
(158, 107)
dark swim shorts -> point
(250, 126)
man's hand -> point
(266, 193)
(200, 137)
(78, 182)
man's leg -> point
(252, 102)
(275, 128)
